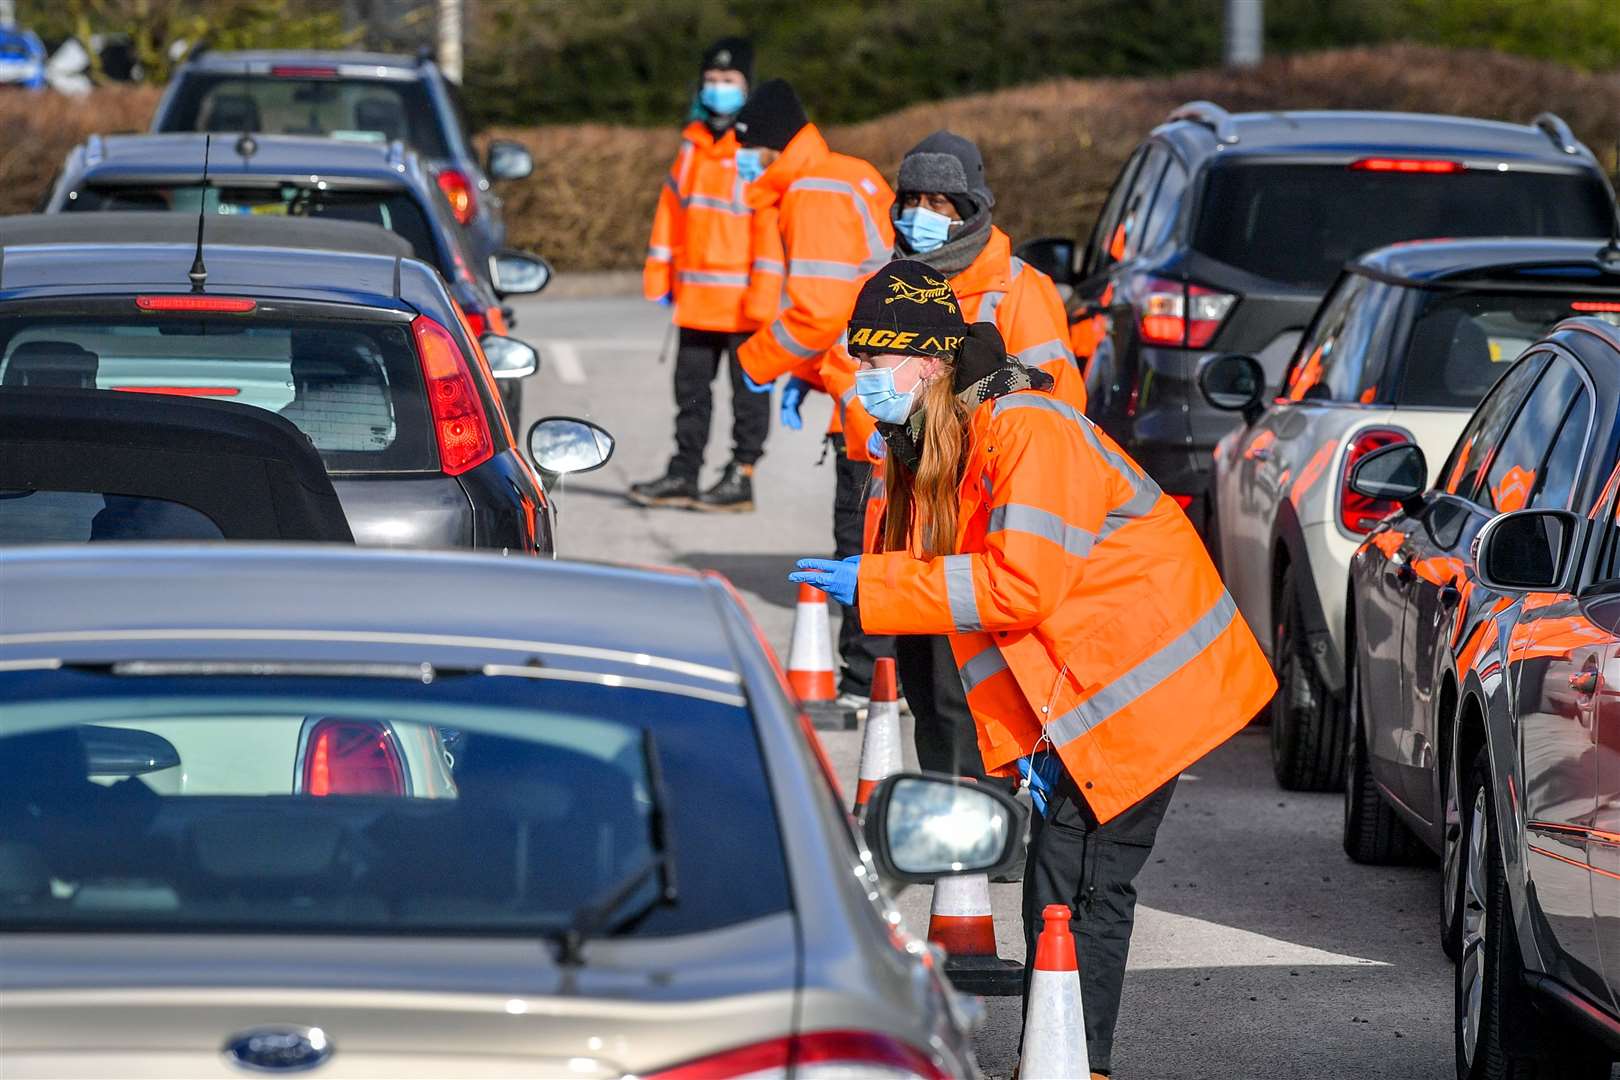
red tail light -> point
(1182, 501)
(1175, 313)
(476, 323)
(1595, 305)
(1357, 513)
(226, 305)
(458, 190)
(352, 757)
(819, 1054)
(302, 71)
(458, 413)
(1406, 165)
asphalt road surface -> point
(1260, 950)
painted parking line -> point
(564, 356)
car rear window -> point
(466, 804)
(1301, 223)
(71, 517)
(354, 388)
(367, 110)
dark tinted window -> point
(71, 517)
(1166, 202)
(355, 388)
(369, 110)
(1463, 468)
(1103, 233)
(1302, 223)
(1460, 345)
(1514, 473)
(1563, 465)
(1328, 362)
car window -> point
(156, 800)
(72, 517)
(354, 388)
(366, 110)
(1166, 203)
(1562, 468)
(1513, 473)
(1127, 238)
(1307, 373)
(1461, 343)
(1463, 469)
(1097, 257)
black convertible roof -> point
(252, 472)
(160, 227)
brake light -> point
(352, 757)
(1406, 165)
(458, 413)
(303, 71)
(1182, 501)
(1595, 305)
(477, 325)
(1358, 513)
(222, 305)
(459, 191)
(1175, 313)
(820, 1055)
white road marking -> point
(1167, 940)
(565, 358)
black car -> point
(1223, 231)
(364, 353)
(350, 96)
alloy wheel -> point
(1475, 928)
(1451, 854)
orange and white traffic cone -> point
(1054, 1017)
(880, 745)
(962, 923)
(810, 663)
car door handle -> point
(1585, 683)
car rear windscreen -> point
(354, 388)
(367, 110)
(1301, 223)
(38, 516)
(394, 210)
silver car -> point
(637, 861)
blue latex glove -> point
(836, 579)
(668, 299)
(758, 388)
(876, 448)
(793, 395)
(1041, 773)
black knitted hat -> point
(771, 116)
(907, 307)
(729, 54)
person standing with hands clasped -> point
(722, 272)
(1099, 651)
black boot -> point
(667, 490)
(733, 494)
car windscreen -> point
(364, 803)
(394, 210)
(354, 388)
(365, 110)
(1461, 343)
(39, 516)
(1301, 223)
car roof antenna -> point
(198, 272)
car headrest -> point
(52, 363)
(1470, 372)
(318, 356)
(380, 114)
(233, 112)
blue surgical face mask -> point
(923, 229)
(749, 167)
(722, 99)
(875, 388)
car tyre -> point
(1373, 833)
(1307, 721)
(1490, 991)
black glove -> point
(981, 352)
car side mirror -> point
(518, 272)
(1052, 256)
(1526, 551)
(924, 826)
(508, 160)
(117, 751)
(508, 357)
(1233, 382)
(562, 444)
(1397, 473)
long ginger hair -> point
(922, 505)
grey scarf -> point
(955, 254)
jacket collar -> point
(804, 152)
(990, 271)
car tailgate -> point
(415, 511)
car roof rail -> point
(425, 55)
(94, 150)
(396, 154)
(1207, 114)
(1558, 131)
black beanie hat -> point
(771, 116)
(907, 307)
(729, 54)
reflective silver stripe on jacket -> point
(709, 202)
(1032, 520)
(1045, 352)
(959, 591)
(779, 332)
(824, 268)
(1015, 266)
(876, 250)
(876, 488)
(988, 306)
(1145, 676)
(711, 277)
(843, 402)
(769, 266)
(988, 663)
(659, 253)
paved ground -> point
(1260, 950)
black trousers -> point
(697, 362)
(947, 739)
(1092, 868)
(859, 651)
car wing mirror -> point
(508, 357)
(1397, 473)
(1233, 382)
(118, 751)
(508, 160)
(563, 444)
(1526, 551)
(1052, 256)
(924, 826)
(518, 272)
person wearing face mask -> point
(832, 212)
(714, 262)
(1099, 652)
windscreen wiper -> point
(598, 918)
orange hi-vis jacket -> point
(832, 213)
(1082, 608)
(706, 248)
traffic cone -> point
(880, 745)
(962, 923)
(1054, 1018)
(810, 663)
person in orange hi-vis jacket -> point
(713, 262)
(1098, 649)
(832, 213)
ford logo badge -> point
(279, 1049)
